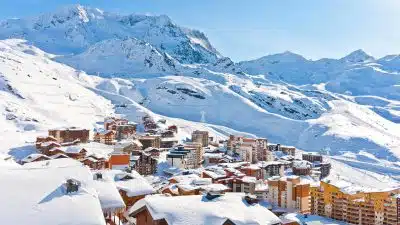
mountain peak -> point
(286, 57)
(357, 57)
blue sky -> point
(250, 29)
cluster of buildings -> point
(67, 142)
(238, 181)
(128, 150)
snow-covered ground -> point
(311, 219)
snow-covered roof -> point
(214, 188)
(188, 187)
(72, 149)
(172, 170)
(213, 155)
(350, 188)
(96, 149)
(249, 179)
(265, 164)
(135, 186)
(33, 157)
(169, 139)
(126, 142)
(302, 164)
(198, 210)
(185, 178)
(38, 197)
(48, 143)
(312, 153)
(59, 155)
(251, 167)
(214, 175)
(88, 158)
(53, 163)
(110, 199)
(68, 128)
(104, 132)
(233, 165)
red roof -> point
(122, 159)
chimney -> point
(72, 185)
(98, 176)
(212, 195)
(251, 199)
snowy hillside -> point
(37, 93)
(341, 125)
(150, 65)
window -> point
(238, 188)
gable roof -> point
(197, 210)
(33, 157)
(38, 197)
(135, 186)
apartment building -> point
(312, 156)
(153, 141)
(290, 193)
(188, 156)
(200, 137)
(250, 149)
(198, 152)
(288, 150)
(272, 169)
(69, 134)
(354, 205)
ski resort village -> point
(142, 173)
(110, 119)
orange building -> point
(355, 206)
(290, 193)
(119, 161)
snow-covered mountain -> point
(355, 74)
(73, 29)
(127, 57)
(152, 65)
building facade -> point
(378, 208)
(250, 149)
(70, 134)
(200, 137)
(153, 141)
(106, 137)
(290, 193)
(272, 169)
(312, 157)
(143, 163)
